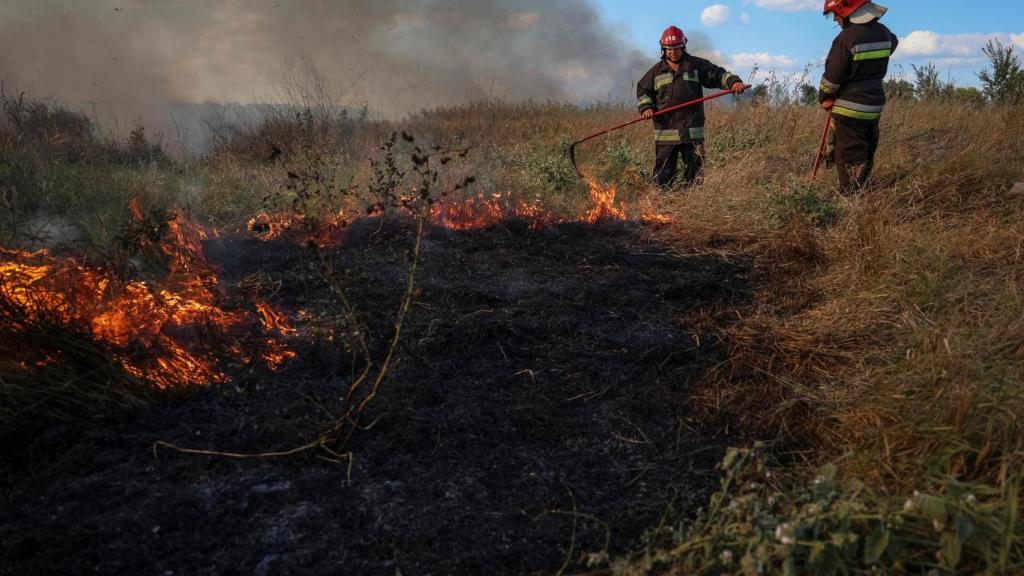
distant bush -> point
(1004, 81)
(62, 135)
(928, 85)
(898, 89)
(266, 133)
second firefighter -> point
(852, 87)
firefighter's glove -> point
(739, 87)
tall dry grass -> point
(896, 331)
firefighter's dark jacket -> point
(855, 70)
(661, 88)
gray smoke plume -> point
(136, 59)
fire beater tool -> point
(572, 147)
(821, 146)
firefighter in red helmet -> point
(852, 88)
(680, 77)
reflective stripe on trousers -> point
(857, 110)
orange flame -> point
(173, 323)
(604, 208)
(467, 213)
(323, 233)
(481, 212)
(276, 354)
(274, 320)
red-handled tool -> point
(821, 147)
(572, 147)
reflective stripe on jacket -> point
(855, 70)
(661, 88)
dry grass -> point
(895, 332)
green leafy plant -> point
(762, 523)
(805, 199)
(550, 170)
(622, 162)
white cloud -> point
(787, 5)
(919, 43)
(715, 15)
(745, 18)
(748, 59)
(963, 48)
(762, 59)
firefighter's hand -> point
(827, 104)
(739, 87)
(649, 113)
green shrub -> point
(622, 162)
(761, 524)
(550, 171)
(805, 199)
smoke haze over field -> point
(130, 59)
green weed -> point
(805, 199)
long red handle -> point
(821, 145)
(658, 113)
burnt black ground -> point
(543, 372)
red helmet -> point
(673, 36)
(842, 7)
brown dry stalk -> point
(352, 418)
(337, 437)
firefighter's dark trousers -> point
(667, 159)
(854, 143)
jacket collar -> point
(663, 66)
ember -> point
(320, 232)
(274, 320)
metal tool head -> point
(572, 158)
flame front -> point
(177, 333)
(322, 233)
(482, 211)
(169, 334)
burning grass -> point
(67, 324)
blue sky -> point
(788, 34)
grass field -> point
(877, 377)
